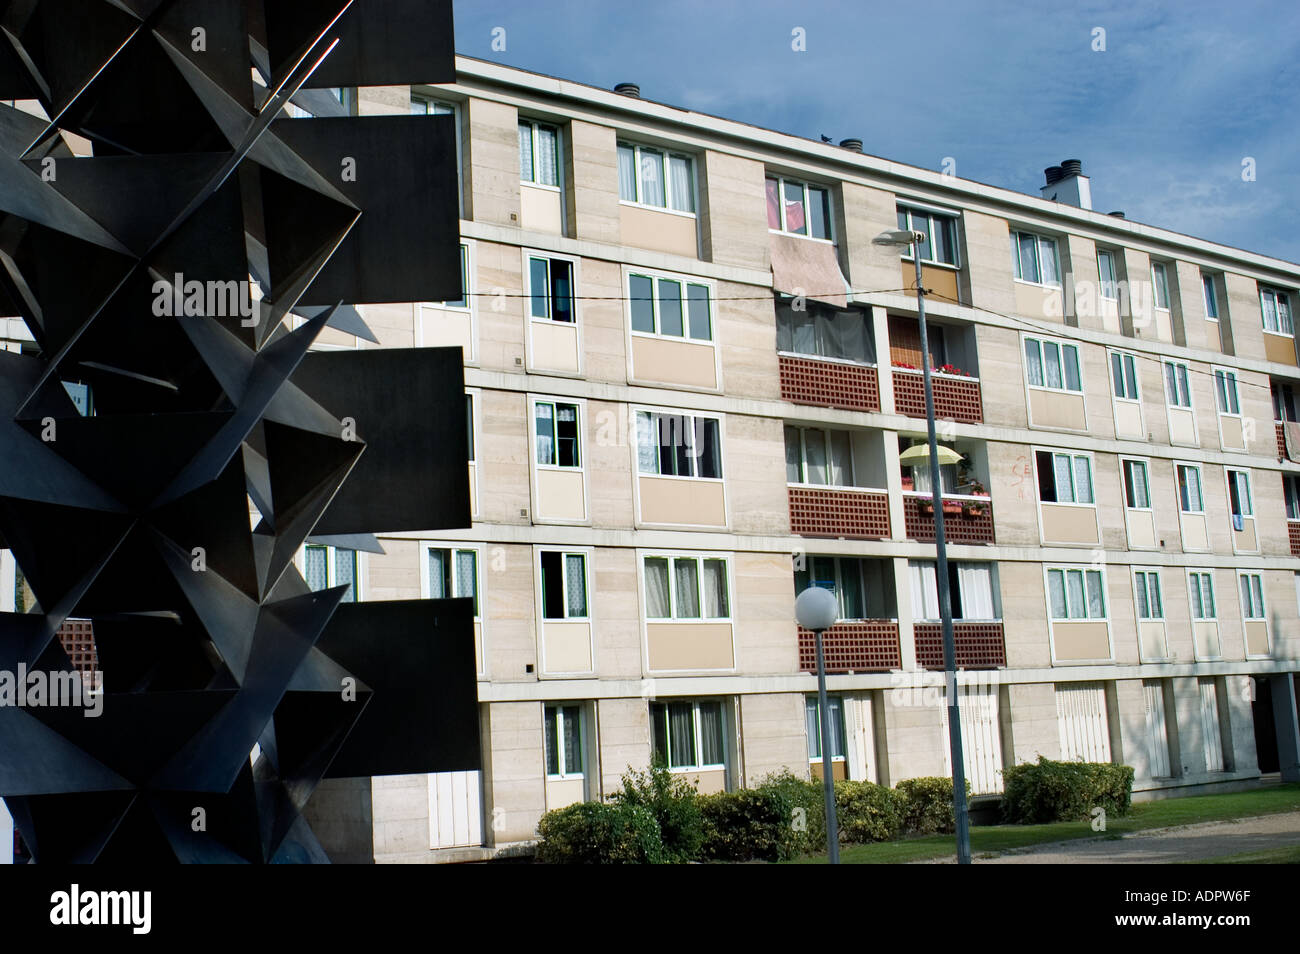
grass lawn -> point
(1269, 856)
(1164, 813)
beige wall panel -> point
(1279, 348)
(1208, 645)
(501, 321)
(391, 323)
(689, 647)
(609, 465)
(567, 647)
(745, 330)
(1245, 316)
(1024, 613)
(502, 457)
(1057, 409)
(617, 607)
(1270, 513)
(604, 337)
(555, 346)
(861, 214)
(762, 607)
(1034, 722)
(1002, 376)
(1129, 423)
(1230, 431)
(1164, 500)
(682, 501)
(733, 209)
(1197, 331)
(755, 474)
(670, 232)
(915, 732)
(393, 574)
(1109, 493)
(1014, 493)
(1141, 529)
(1065, 523)
(772, 735)
(560, 495)
(1040, 302)
(1256, 637)
(1080, 641)
(564, 791)
(988, 262)
(592, 164)
(445, 328)
(516, 797)
(1196, 537)
(1122, 610)
(1280, 599)
(1245, 539)
(541, 210)
(507, 602)
(624, 739)
(669, 361)
(1182, 427)
(492, 162)
(1153, 636)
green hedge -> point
(867, 812)
(674, 803)
(596, 833)
(1047, 791)
(748, 824)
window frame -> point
(535, 125)
(655, 276)
(1291, 496)
(815, 703)
(699, 558)
(587, 554)
(803, 430)
(637, 410)
(1228, 473)
(1127, 359)
(784, 307)
(1145, 464)
(1142, 577)
(469, 309)
(331, 568)
(807, 187)
(1073, 457)
(905, 207)
(1192, 602)
(580, 411)
(560, 719)
(839, 588)
(668, 154)
(1247, 614)
(1159, 286)
(1041, 342)
(1220, 373)
(1165, 364)
(1102, 281)
(1279, 296)
(1210, 295)
(1084, 570)
(1179, 465)
(453, 546)
(698, 733)
(474, 398)
(549, 258)
(1018, 264)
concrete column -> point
(906, 614)
(1285, 721)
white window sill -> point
(541, 185)
(821, 357)
(663, 337)
(1290, 335)
(1025, 281)
(657, 208)
(856, 490)
(810, 238)
(927, 263)
(1051, 390)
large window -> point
(563, 741)
(678, 445)
(1200, 587)
(469, 425)
(1225, 391)
(815, 456)
(1075, 593)
(1284, 404)
(970, 589)
(453, 574)
(564, 585)
(1137, 491)
(558, 430)
(1159, 286)
(667, 306)
(325, 567)
(1123, 376)
(461, 303)
(655, 177)
(1190, 497)
(1210, 291)
(539, 159)
(1178, 388)
(1064, 478)
(1239, 502)
(843, 576)
(688, 735)
(1053, 364)
(686, 587)
(1252, 596)
(550, 288)
(1146, 588)
(1106, 272)
(1276, 306)
(798, 208)
(1291, 494)
(940, 230)
(1034, 258)
(825, 332)
(812, 720)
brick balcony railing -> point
(964, 527)
(1280, 431)
(1293, 531)
(857, 514)
(978, 645)
(956, 398)
(868, 646)
(78, 639)
(852, 387)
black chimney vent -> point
(1071, 167)
(853, 145)
(628, 89)
(1117, 214)
(1053, 174)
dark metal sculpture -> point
(132, 268)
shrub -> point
(927, 805)
(867, 812)
(1048, 791)
(806, 809)
(747, 825)
(674, 803)
(595, 833)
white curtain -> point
(976, 583)
(815, 442)
(647, 443)
(1034, 362)
(683, 188)
(526, 152)
(841, 459)
(437, 574)
(686, 588)
(656, 588)
(652, 177)
(925, 590)
(546, 160)
(715, 590)
(626, 174)
(545, 426)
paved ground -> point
(1163, 845)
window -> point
(1225, 391)
(1276, 306)
(1200, 587)
(1075, 593)
(835, 718)
(688, 735)
(1211, 297)
(1239, 502)
(825, 332)
(940, 244)
(1291, 492)
(1034, 259)
(83, 397)
(686, 587)
(469, 425)
(1159, 286)
(539, 160)
(325, 567)
(1064, 478)
(550, 289)
(678, 445)
(462, 302)
(1178, 388)
(556, 426)
(1190, 497)
(970, 588)
(1283, 402)
(815, 456)
(563, 727)
(842, 576)
(1123, 375)
(453, 574)
(1146, 588)
(1106, 272)
(1252, 596)
(423, 106)
(564, 585)
(659, 307)
(1137, 494)
(649, 176)
(798, 208)
(1053, 364)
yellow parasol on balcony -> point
(919, 454)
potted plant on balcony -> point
(908, 483)
(953, 370)
(951, 508)
(976, 508)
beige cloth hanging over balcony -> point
(1291, 433)
(809, 268)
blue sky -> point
(1162, 119)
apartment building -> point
(693, 389)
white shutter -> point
(455, 809)
(1210, 730)
(1157, 737)
(860, 739)
(1081, 718)
(981, 738)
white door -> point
(1157, 737)
(981, 740)
(1210, 730)
(455, 809)
(860, 737)
(1081, 718)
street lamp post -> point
(899, 238)
(817, 608)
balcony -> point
(853, 514)
(864, 646)
(825, 383)
(966, 518)
(956, 396)
(1293, 532)
(978, 645)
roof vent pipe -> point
(1071, 167)
(1118, 215)
(1053, 174)
(628, 89)
(853, 145)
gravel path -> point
(1163, 845)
